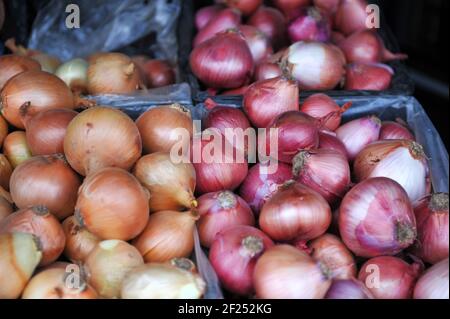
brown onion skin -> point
(46, 130)
(46, 180)
(284, 272)
(328, 141)
(396, 277)
(6, 204)
(156, 124)
(38, 221)
(79, 241)
(272, 23)
(158, 73)
(371, 77)
(39, 91)
(5, 172)
(16, 149)
(3, 129)
(219, 211)
(12, 65)
(433, 283)
(101, 137)
(395, 131)
(348, 289)
(112, 204)
(295, 212)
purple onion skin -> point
(348, 289)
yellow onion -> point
(101, 137)
(3, 129)
(74, 74)
(6, 204)
(19, 256)
(107, 265)
(183, 263)
(12, 65)
(55, 265)
(5, 172)
(171, 185)
(168, 234)
(79, 241)
(162, 281)
(16, 148)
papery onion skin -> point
(389, 277)
(79, 241)
(101, 137)
(205, 14)
(19, 256)
(321, 106)
(162, 281)
(6, 204)
(401, 160)
(219, 211)
(5, 172)
(264, 100)
(433, 284)
(328, 6)
(74, 74)
(168, 234)
(158, 73)
(295, 212)
(257, 42)
(46, 180)
(431, 213)
(48, 62)
(284, 272)
(16, 149)
(395, 131)
(12, 65)
(158, 127)
(233, 255)
(267, 70)
(351, 16)
(247, 7)
(171, 185)
(310, 25)
(356, 134)
(3, 129)
(271, 22)
(238, 91)
(38, 221)
(288, 6)
(368, 76)
(376, 218)
(260, 184)
(348, 289)
(112, 204)
(329, 141)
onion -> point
(401, 160)
(16, 148)
(46, 180)
(170, 184)
(271, 22)
(336, 37)
(356, 134)
(3, 129)
(376, 218)
(233, 255)
(158, 73)
(351, 16)
(6, 204)
(247, 7)
(264, 100)
(183, 263)
(325, 171)
(295, 212)
(433, 284)
(284, 272)
(315, 65)
(267, 70)
(206, 14)
(348, 289)
(12, 65)
(289, 6)
(162, 281)
(432, 228)
(238, 91)
(38, 221)
(332, 253)
(309, 25)
(257, 42)
(321, 106)
(222, 21)
(52, 284)
(296, 131)
(79, 241)
(219, 211)
(390, 277)
(327, 6)
(46, 130)
(112, 73)
(159, 127)
(55, 265)
(329, 141)
(107, 265)
(5, 172)
(112, 204)
(224, 61)
(168, 234)
(74, 74)
(19, 256)
(395, 131)
(371, 76)
(260, 184)
(101, 137)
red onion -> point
(233, 255)
(267, 70)
(395, 131)
(257, 42)
(325, 171)
(390, 277)
(310, 25)
(295, 212)
(264, 100)
(434, 282)
(284, 272)
(351, 16)
(271, 22)
(222, 21)
(348, 289)
(247, 7)
(337, 37)
(224, 61)
(376, 218)
(219, 211)
(401, 160)
(329, 141)
(260, 184)
(328, 6)
(356, 134)
(368, 76)
(206, 14)
(321, 106)
(315, 65)
(289, 6)
(432, 228)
